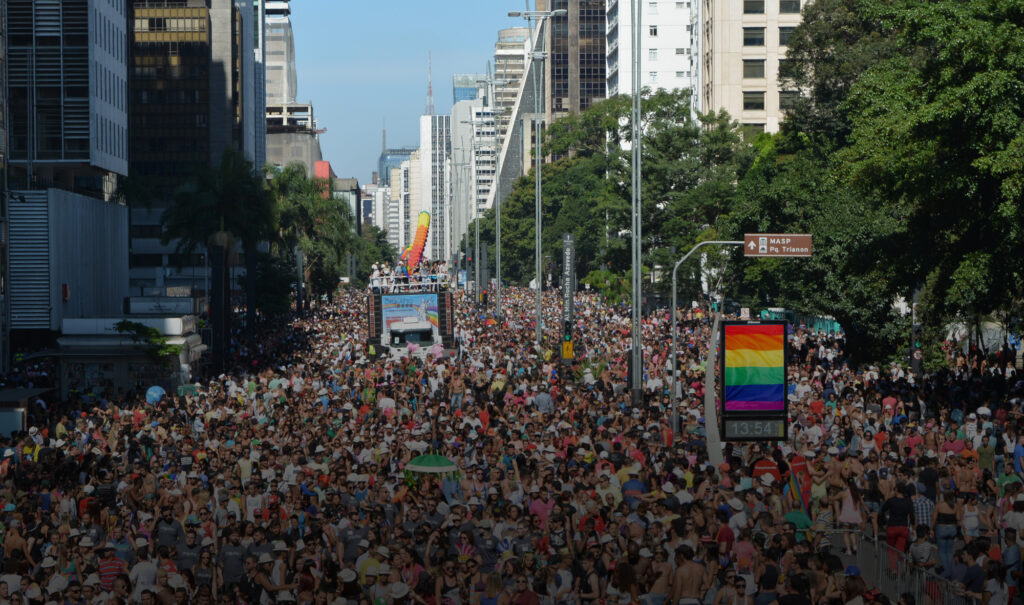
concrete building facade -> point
(193, 86)
(415, 202)
(574, 69)
(474, 163)
(435, 153)
(292, 132)
(466, 87)
(510, 56)
(665, 53)
(741, 47)
(67, 94)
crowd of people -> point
(385, 278)
(285, 480)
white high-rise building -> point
(412, 177)
(396, 206)
(435, 151)
(474, 159)
(664, 40)
(742, 46)
(509, 64)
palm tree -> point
(220, 202)
(317, 225)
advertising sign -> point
(753, 379)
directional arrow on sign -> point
(777, 244)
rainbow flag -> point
(755, 368)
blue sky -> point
(362, 63)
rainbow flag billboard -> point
(753, 380)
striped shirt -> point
(110, 568)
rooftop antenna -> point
(430, 86)
(384, 136)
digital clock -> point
(753, 429)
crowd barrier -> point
(894, 574)
(413, 283)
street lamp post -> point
(497, 198)
(536, 55)
(674, 398)
(636, 352)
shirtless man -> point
(688, 581)
(661, 572)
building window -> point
(784, 34)
(653, 8)
(753, 36)
(789, 7)
(753, 100)
(652, 54)
(682, 51)
(652, 30)
(753, 7)
(653, 76)
(753, 68)
(751, 130)
(682, 74)
(788, 99)
(682, 5)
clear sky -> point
(364, 62)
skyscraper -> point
(742, 45)
(474, 156)
(435, 151)
(282, 81)
(466, 87)
(509, 63)
(664, 45)
(68, 103)
(574, 71)
(193, 86)
(292, 131)
(68, 145)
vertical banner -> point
(568, 276)
(568, 292)
(753, 381)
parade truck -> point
(411, 319)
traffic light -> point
(567, 346)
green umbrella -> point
(431, 463)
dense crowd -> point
(284, 479)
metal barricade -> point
(894, 574)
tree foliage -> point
(904, 160)
(157, 349)
(690, 166)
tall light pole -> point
(536, 55)
(636, 353)
(497, 198)
(472, 201)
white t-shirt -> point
(999, 593)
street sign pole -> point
(674, 397)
